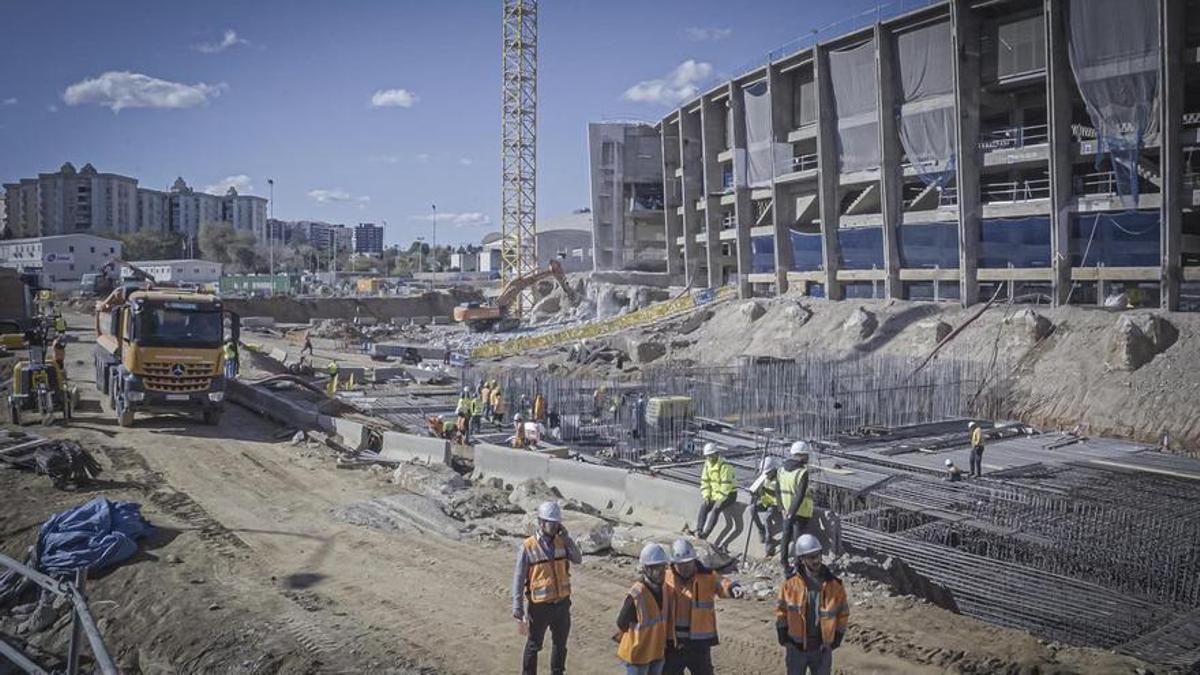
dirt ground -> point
(250, 572)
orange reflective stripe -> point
(694, 604)
(646, 641)
(549, 574)
(833, 612)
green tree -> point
(149, 244)
(219, 242)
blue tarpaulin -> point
(861, 247)
(1020, 242)
(928, 245)
(806, 252)
(762, 254)
(99, 534)
(1128, 239)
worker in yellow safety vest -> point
(764, 499)
(519, 441)
(332, 369)
(811, 615)
(485, 399)
(976, 466)
(542, 578)
(539, 408)
(795, 498)
(643, 623)
(229, 350)
(691, 593)
(718, 490)
(497, 404)
(464, 410)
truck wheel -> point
(124, 414)
(212, 417)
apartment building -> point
(836, 167)
(368, 239)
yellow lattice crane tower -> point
(518, 152)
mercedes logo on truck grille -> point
(178, 370)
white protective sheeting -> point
(761, 150)
(927, 122)
(854, 84)
(1114, 50)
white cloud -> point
(337, 196)
(394, 98)
(386, 159)
(423, 158)
(229, 39)
(468, 219)
(699, 34)
(52, 108)
(9, 101)
(118, 90)
(466, 161)
(679, 85)
(240, 182)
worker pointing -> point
(717, 489)
(811, 614)
(795, 497)
(643, 621)
(542, 578)
(691, 592)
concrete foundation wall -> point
(410, 448)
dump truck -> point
(481, 317)
(159, 349)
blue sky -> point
(239, 92)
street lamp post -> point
(434, 249)
(270, 233)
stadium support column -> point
(743, 212)
(781, 122)
(890, 181)
(829, 173)
(1171, 84)
(712, 125)
(1058, 98)
(690, 135)
(965, 35)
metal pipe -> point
(19, 659)
(76, 626)
(99, 652)
(48, 583)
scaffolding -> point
(518, 153)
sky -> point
(359, 110)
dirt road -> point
(253, 573)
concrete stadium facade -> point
(863, 193)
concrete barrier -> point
(353, 434)
(601, 486)
(269, 404)
(409, 448)
(509, 465)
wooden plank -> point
(862, 275)
(1114, 273)
(928, 275)
(1014, 274)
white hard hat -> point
(949, 463)
(653, 554)
(806, 545)
(799, 448)
(466, 390)
(517, 417)
(972, 424)
(710, 449)
(768, 464)
(550, 511)
(682, 551)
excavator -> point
(495, 316)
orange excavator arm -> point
(514, 287)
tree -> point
(149, 244)
(219, 242)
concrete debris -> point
(797, 313)
(693, 321)
(431, 480)
(550, 304)
(752, 310)
(529, 494)
(860, 324)
(896, 575)
(479, 501)
(399, 511)
(1162, 333)
(1128, 347)
(592, 534)
(1037, 327)
(645, 351)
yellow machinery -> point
(160, 350)
(40, 387)
(369, 286)
(480, 317)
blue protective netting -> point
(1129, 239)
(762, 254)
(1020, 242)
(923, 290)
(806, 252)
(862, 290)
(861, 248)
(928, 245)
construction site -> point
(195, 483)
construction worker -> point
(464, 409)
(976, 449)
(691, 591)
(639, 415)
(539, 407)
(953, 473)
(519, 440)
(764, 499)
(811, 614)
(308, 347)
(543, 578)
(497, 405)
(476, 413)
(231, 359)
(795, 498)
(485, 398)
(332, 369)
(643, 621)
(717, 488)
(60, 324)
(60, 354)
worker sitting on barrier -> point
(764, 499)
(796, 499)
(953, 473)
(519, 440)
(717, 488)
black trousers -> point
(763, 525)
(792, 529)
(706, 520)
(695, 658)
(977, 462)
(555, 616)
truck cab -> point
(161, 351)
